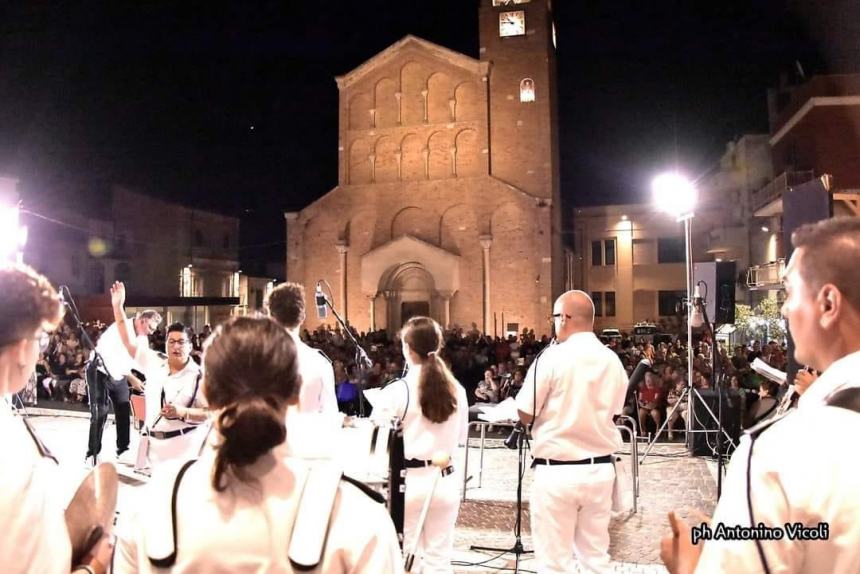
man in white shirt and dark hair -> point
(286, 305)
(571, 394)
(797, 472)
(110, 379)
(174, 403)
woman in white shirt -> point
(236, 508)
(435, 417)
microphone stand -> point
(362, 361)
(716, 369)
(517, 550)
(69, 302)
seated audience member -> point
(681, 412)
(650, 402)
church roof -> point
(454, 58)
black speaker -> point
(725, 293)
(706, 443)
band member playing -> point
(35, 538)
(109, 379)
(286, 305)
(572, 392)
(435, 418)
(237, 504)
(174, 403)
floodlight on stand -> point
(697, 319)
(674, 194)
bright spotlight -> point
(12, 235)
(674, 194)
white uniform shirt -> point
(35, 538)
(178, 388)
(317, 393)
(247, 528)
(841, 374)
(422, 439)
(117, 360)
(581, 385)
(801, 472)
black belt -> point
(170, 434)
(418, 463)
(553, 462)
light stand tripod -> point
(689, 390)
(517, 440)
(362, 361)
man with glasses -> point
(174, 401)
(108, 375)
(571, 393)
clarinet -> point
(396, 483)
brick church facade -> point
(448, 197)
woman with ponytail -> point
(435, 416)
(234, 509)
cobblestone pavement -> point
(669, 479)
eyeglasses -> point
(179, 342)
(558, 315)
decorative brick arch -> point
(441, 158)
(413, 86)
(386, 161)
(439, 94)
(385, 103)
(359, 111)
(415, 222)
(360, 169)
(467, 97)
(412, 166)
(468, 156)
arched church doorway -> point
(409, 309)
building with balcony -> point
(815, 133)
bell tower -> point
(517, 38)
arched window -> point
(527, 90)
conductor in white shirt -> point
(571, 393)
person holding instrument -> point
(240, 506)
(435, 415)
(35, 537)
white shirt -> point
(317, 393)
(422, 439)
(839, 375)
(581, 385)
(35, 538)
(247, 528)
(117, 360)
(803, 470)
(178, 388)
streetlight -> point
(676, 195)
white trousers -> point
(436, 544)
(570, 510)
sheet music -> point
(768, 372)
(505, 411)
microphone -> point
(513, 440)
(696, 318)
(322, 312)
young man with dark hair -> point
(795, 469)
(174, 403)
(286, 305)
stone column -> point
(446, 307)
(342, 249)
(371, 299)
(426, 105)
(399, 97)
(486, 242)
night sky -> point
(233, 106)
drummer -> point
(239, 501)
(35, 538)
(435, 417)
(174, 403)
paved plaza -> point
(669, 479)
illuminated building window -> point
(527, 90)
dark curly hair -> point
(251, 375)
(27, 301)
